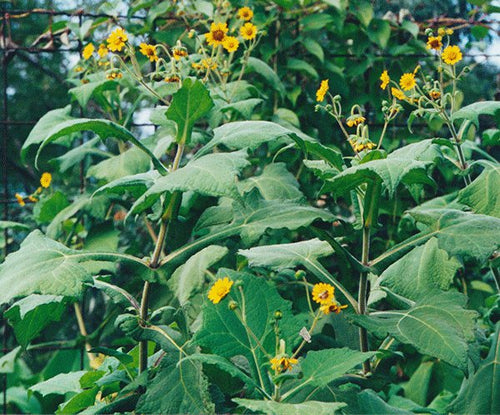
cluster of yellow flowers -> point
(218, 34)
(283, 363)
(45, 181)
(324, 294)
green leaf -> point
(79, 402)
(191, 102)
(379, 32)
(275, 183)
(417, 389)
(7, 224)
(210, 175)
(314, 48)
(83, 93)
(363, 10)
(59, 384)
(437, 325)
(136, 184)
(261, 68)
(395, 169)
(225, 365)
(423, 269)
(480, 393)
(280, 408)
(316, 21)
(300, 65)
(44, 266)
(482, 194)
(462, 234)
(246, 134)
(189, 278)
(331, 156)
(47, 208)
(177, 388)
(245, 108)
(473, 111)
(32, 314)
(322, 367)
(7, 361)
(43, 127)
(223, 333)
(131, 161)
(103, 128)
(367, 402)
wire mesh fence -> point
(36, 56)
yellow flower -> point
(323, 293)
(230, 44)
(20, 199)
(332, 307)
(451, 55)
(449, 32)
(114, 75)
(149, 51)
(78, 69)
(116, 40)
(217, 34)
(88, 51)
(385, 79)
(45, 180)
(173, 78)
(355, 119)
(396, 93)
(245, 13)
(435, 42)
(102, 51)
(220, 289)
(32, 199)
(322, 90)
(209, 64)
(179, 53)
(435, 94)
(282, 364)
(362, 144)
(248, 31)
(407, 81)
(441, 31)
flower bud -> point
(233, 305)
(428, 31)
(300, 274)
(278, 315)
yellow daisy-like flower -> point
(385, 79)
(282, 364)
(114, 75)
(78, 69)
(231, 44)
(434, 94)
(435, 42)
(407, 81)
(217, 34)
(354, 120)
(45, 180)
(88, 51)
(173, 78)
(245, 13)
(116, 40)
(209, 64)
(451, 55)
(179, 53)
(449, 32)
(322, 90)
(248, 31)
(333, 307)
(149, 51)
(396, 93)
(323, 293)
(20, 199)
(441, 31)
(220, 289)
(103, 50)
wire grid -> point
(5, 123)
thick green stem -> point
(362, 294)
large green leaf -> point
(482, 195)
(83, 93)
(480, 394)
(191, 102)
(60, 384)
(189, 277)
(462, 234)
(246, 134)
(7, 224)
(103, 128)
(331, 156)
(135, 184)
(32, 314)
(423, 269)
(275, 182)
(250, 221)
(437, 325)
(178, 387)
(280, 408)
(210, 175)
(131, 161)
(43, 127)
(322, 367)
(44, 266)
(473, 111)
(263, 69)
(223, 333)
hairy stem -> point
(362, 294)
(83, 332)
